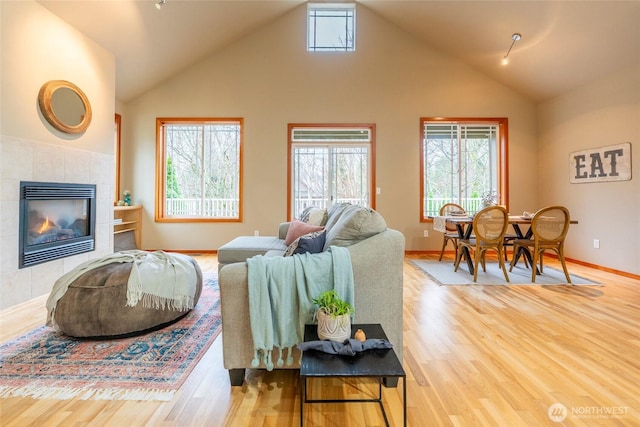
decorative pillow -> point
(355, 224)
(299, 228)
(304, 216)
(314, 216)
(312, 243)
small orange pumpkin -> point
(360, 335)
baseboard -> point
(602, 268)
(192, 252)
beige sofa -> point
(377, 254)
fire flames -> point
(45, 226)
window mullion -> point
(201, 162)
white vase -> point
(334, 328)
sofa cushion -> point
(243, 247)
(355, 224)
(334, 213)
(299, 228)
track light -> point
(515, 37)
(160, 4)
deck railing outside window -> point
(219, 208)
(301, 204)
(471, 205)
(229, 207)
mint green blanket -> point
(281, 293)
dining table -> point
(464, 227)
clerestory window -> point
(330, 164)
(199, 169)
(463, 161)
(331, 27)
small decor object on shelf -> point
(127, 198)
(334, 317)
(360, 335)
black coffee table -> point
(381, 364)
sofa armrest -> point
(378, 279)
(237, 340)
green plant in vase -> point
(334, 316)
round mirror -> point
(64, 106)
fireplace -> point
(56, 220)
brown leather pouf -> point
(95, 305)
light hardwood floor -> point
(474, 356)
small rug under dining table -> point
(442, 272)
(46, 364)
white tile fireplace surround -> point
(25, 160)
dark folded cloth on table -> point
(348, 348)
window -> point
(462, 161)
(331, 27)
(199, 170)
(330, 164)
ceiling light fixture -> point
(160, 4)
(515, 37)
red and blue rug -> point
(46, 364)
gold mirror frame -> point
(44, 101)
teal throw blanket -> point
(281, 293)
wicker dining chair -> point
(549, 226)
(489, 227)
(451, 233)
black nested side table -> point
(382, 364)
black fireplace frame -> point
(30, 255)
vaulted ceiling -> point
(564, 44)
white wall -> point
(270, 80)
(605, 112)
(37, 47)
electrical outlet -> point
(378, 190)
(256, 233)
(425, 233)
(596, 244)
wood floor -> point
(474, 356)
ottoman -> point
(244, 247)
(95, 305)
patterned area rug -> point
(46, 364)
